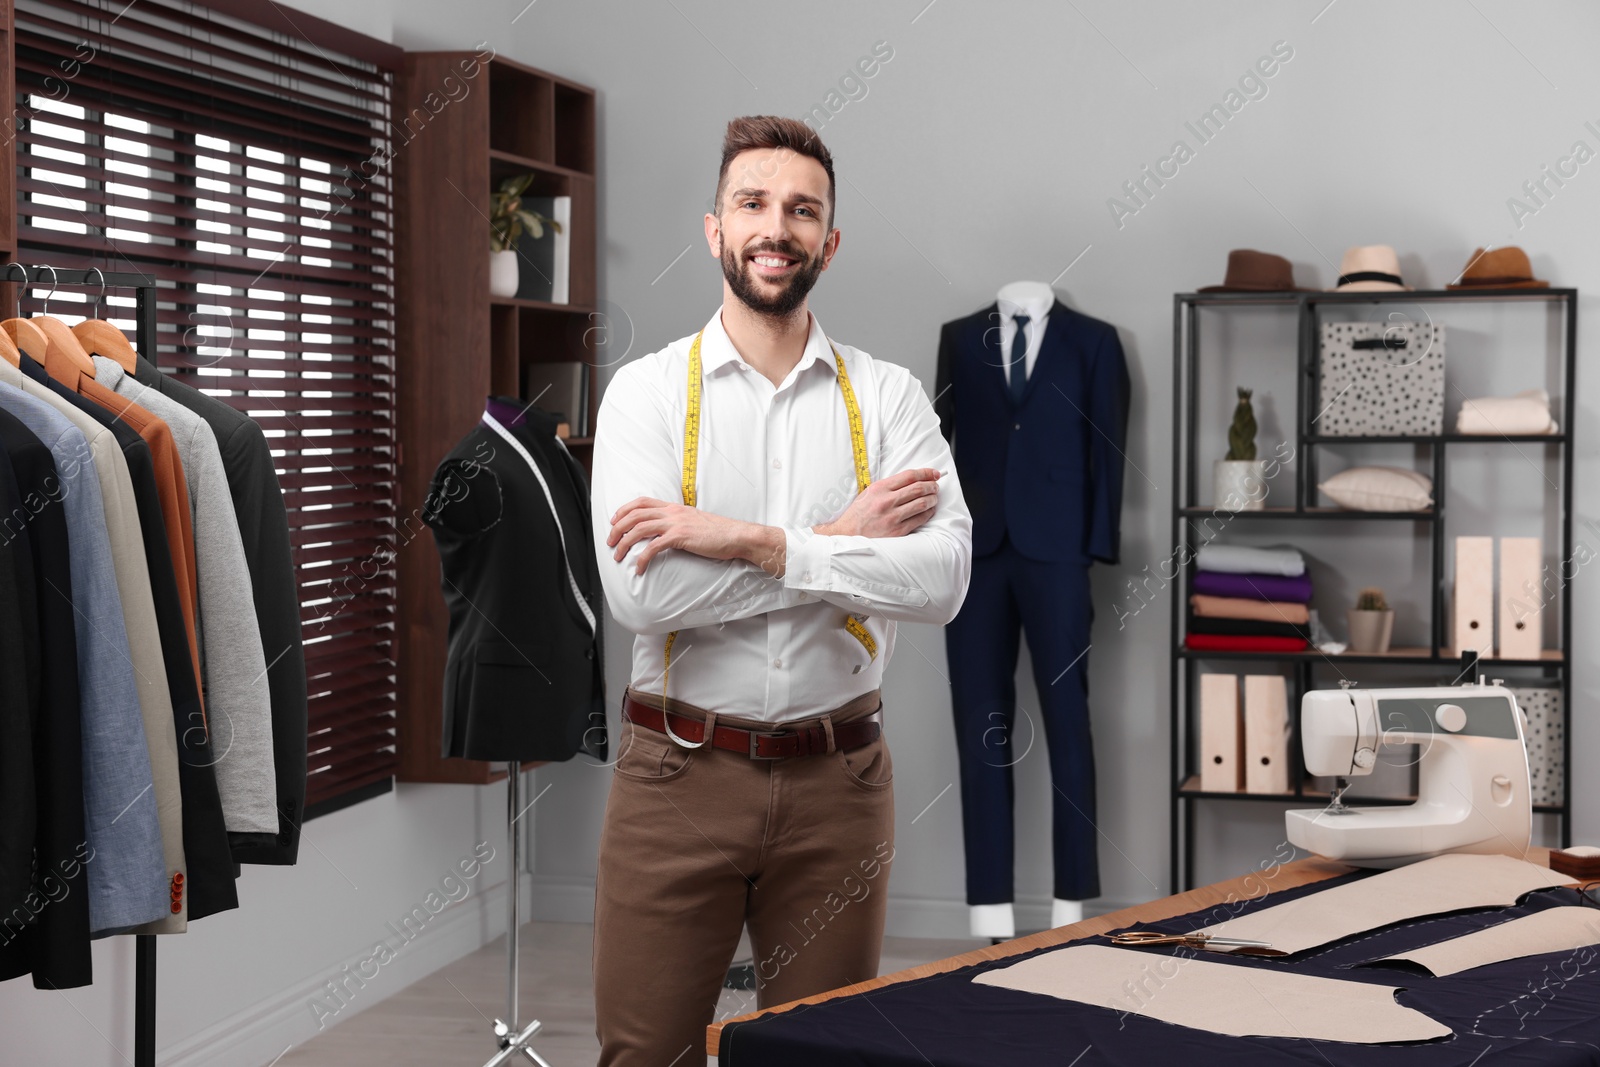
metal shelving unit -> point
(1301, 667)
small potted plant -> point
(1371, 622)
(509, 219)
(1239, 482)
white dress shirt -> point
(1037, 311)
(773, 649)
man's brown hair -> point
(773, 131)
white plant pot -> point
(504, 275)
(1370, 630)
(1239, 484)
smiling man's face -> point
(774, 232)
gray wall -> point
(983, 152)
(986, 150)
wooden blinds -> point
(246, 170)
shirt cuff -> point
(807, 560)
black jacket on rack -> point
(264, 529)
(509, 508)
(54, 943)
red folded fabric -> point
(1242, 643)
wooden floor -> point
(446, 1019)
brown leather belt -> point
(759, 744)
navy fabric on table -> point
(1536, 1010)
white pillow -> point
(1380, 489)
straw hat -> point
(1371, 268)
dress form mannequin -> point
(998, 921)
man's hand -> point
(700, 532)
(889, 507)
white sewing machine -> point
(1472, 778)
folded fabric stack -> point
(1249, 600)
(1526, 413)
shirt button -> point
(805, 596)
(806, 577)
(777, 463)
(1016, 426)
(777, 663)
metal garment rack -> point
(144, 963)
(1556, 664)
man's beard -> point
(788, 298)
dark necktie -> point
(1019, 361)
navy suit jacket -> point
(1048, 472)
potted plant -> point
(1371, 622)
(509, 219)
(1239, 482)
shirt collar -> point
(716, 349)
(1036, 310)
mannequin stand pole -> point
(512, 1041)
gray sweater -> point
(232, 663)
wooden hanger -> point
(65, 353)
(27, 337)
(8, 350)
(22, 333)
(100, 338)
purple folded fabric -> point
(1254, 586)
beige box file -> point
(1221, 739)
(1266, 733)
(1474, 596)
(1521, 598)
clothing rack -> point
(144, 964)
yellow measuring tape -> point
(691, 460)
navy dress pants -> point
(1009, 593)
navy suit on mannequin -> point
(1043, 477)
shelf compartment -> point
(1550, 657)
(1311, 513)
(1440, 438)
(522, 114)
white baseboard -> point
(571, 900)
(265, 1032)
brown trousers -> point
(699, 843)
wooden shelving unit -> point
(456, 345)
(1430, 663)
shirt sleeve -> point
(637, 453)
(919, 577)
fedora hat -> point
(1250, 271)
(1371, 268)
(1498, 268)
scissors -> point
(1151, 937)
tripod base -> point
(512, 1044)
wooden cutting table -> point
(1272, 878)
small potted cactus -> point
(1239, 482)
(1371, 622)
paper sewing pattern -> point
(1436, 886)
(1223, 998)
(1552, 930)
